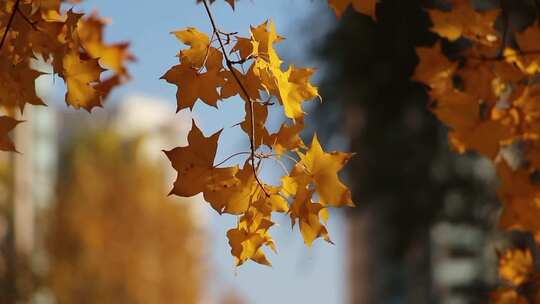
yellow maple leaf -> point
(247, 239)
(292, 88)
(81, 76)
(287, 138)
(193, 85)
(296, 90)
(274, 202)
(6, 125)
(260, 112)
(17, 85)
(195, 166)
(245, 47)
(250, 82)
(236, 198)
(322, 169)
(265, 37)
(303, 209)
(199, 44)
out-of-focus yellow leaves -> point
(434, 69)
(71, 43)
(6, 125)
(490, 102)
(366, 7)
(507, 295)
(113, 56)
(463, 20)
(529, 43)
(515, 266)
(195, 166)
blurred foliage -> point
(6, 238)
(403, 173)
(402, 162)
(113, 235)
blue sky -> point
(299, 274)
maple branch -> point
(10, 21)
(276, 156)
(251, 113)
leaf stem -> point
(10, 21)
(228, 158)
(251, 113)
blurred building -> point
(30, 184)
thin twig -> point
(280, 163)
(499, 58)
(207, 52)
(8, 26)
(537, 5)
(505, 25)
(32, 24)
(228, 158)
(244, 91)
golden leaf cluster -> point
(225, 65)
(71, 43)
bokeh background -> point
(84, 211)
